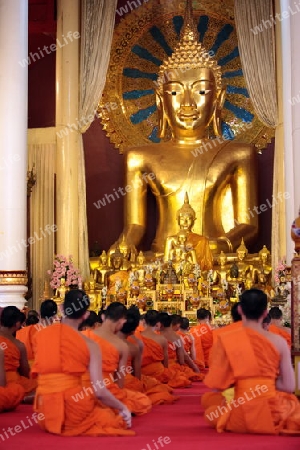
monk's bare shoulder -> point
(278, 341)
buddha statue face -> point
(189, 100)
(222, 259)
(140, 259)
(117, 261)
(185, 221)
(103, 259)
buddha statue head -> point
(189, 93)
(241, 251)
(103, 259)
(117, 259)
(124, 248)
(264, 255)
(186, 215)
(222, 259)
(140, 258)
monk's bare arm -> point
(188, 360)
(95, 369)
(124, 354)
(179, 351)
(193, 350)
(24, 369)
(2, 370)
(136, 361)
(286, 379)
(164, 344)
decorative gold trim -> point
(13, 278)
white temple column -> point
(290, 25)
(67, 98)
(13, 151)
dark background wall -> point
(104, 165)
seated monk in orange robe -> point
(63, 356)
(189, 343)
(178, 358)
(15, 356)
(115, 357)
(11, 394)
(258, 365)
(276, 325)
(27, 334)
(155, 355)
(203, 335)
(158, 393)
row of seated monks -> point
(90, 373)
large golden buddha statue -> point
(190, 97)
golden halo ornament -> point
(144, 38)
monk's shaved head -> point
(115, 311)
(253, 303)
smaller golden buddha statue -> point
(128, 254)
(140, 268)
(264, 269)
(101, 269)
(94, 296)
(117, 274)
(128, 251)
(221, 272)
(241, 263)
(61, 291)
(186, 217)
(182, 256)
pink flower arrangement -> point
(64, 268)
(279, 271)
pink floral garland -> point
(64, 268)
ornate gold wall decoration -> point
(143, 39)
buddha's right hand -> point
(126, 416)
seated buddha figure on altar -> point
(263, 270)
(190, 97)
(221, 272)
(101, 269)
(181, 254)
(242, 265)
(186, 218)
(128, 251)
(116, 278)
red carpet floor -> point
(182, 423)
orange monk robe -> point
(68, 407)
(137, 402)
(152, 365)
(202, 249)
(246, 359)
(27, 335)
(230, 327)
(12, 364)
(200, 358)
(281, 332)
(182, 368)
(187, 341)
(159, 394)
(11, 396)
(205, 331)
